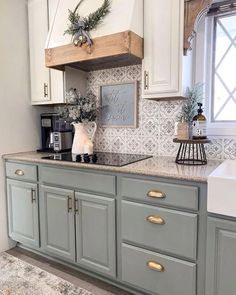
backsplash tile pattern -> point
(156, 120)
(229, 148)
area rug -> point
(20, 278)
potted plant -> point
(188, 111)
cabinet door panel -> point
(38, 30)
(56, 76)
(221, 257)
(57, 222)
(163, 34)
(95, 225)
(23, 212)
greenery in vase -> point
(79, 109)
(190, 105)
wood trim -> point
(193, 10)
(105, 52)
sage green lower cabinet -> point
(221, 257)
(57, 222)
(96, 232)
(23, 220)
(147, 234)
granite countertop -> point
(156, 166)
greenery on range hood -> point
(114, 42)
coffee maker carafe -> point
(47, 128)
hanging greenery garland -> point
(79, 27)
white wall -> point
(19, 122)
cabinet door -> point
(57, 222)
(95, 233)
(38, 30)
(56, 77)
(221, 257)
(163, 48)
(22, 198)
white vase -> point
(82, 144)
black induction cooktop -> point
(100, 158)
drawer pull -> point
(156, 194)
(155, 266)
(19, 172)
(155, 219)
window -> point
(224, 69)
(215, 66)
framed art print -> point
(119, 105)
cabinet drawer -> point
(161, 229)
(21, 171)
(161, 193)
(88, 181)
(157, 273)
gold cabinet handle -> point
(155, 219)
(146, 80)
(19, 172)
(155, 266)
(76, 206)
(69, 204)
(45, 89)
(156, 194)
(33, 196)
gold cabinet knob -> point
(156, 194)
(19, 172)
(155, 219)
(155, 266)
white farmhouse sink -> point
(222, 189)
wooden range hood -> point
(115, 50)
(117, 41)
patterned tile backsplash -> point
(155, 132)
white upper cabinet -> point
(38, 30)
(47, 86)
(163, 62)
(56, 77)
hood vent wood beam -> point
(115, 50)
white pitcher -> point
(82, 144)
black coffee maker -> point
(48, 122)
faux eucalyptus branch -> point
(189, 107)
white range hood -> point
(120, 34)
